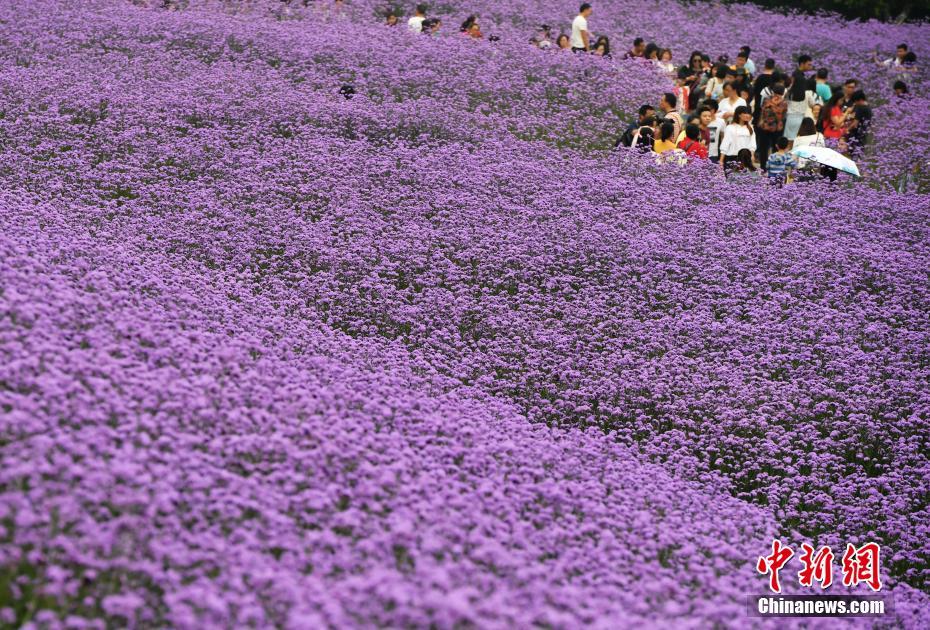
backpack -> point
(772, 116)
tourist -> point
(832, 121)
(858, 124)
(750, 65)
(646, 112)
(771, 125)
(695, 67)
(563, 42)
(762, 82)
(415, 23)
(692, 145)
(714, 87)
(900, 89)
(644, 137)
(729, 103)
(822, 87)
(681, 91)
(666, 140)
(581, 38)
(651, 52)
(602, 47)
(544, 40)
(430, 27)
(474, 31)
(897, 60)
(668, 105)
(737, 137)
(665, 60)
(808, 136)
(739, 67)
(742, 168)
(780, 163)
(391, 19)
(714, 128)
(800, 102)
(849, 88)
(636, 52)
(805, 63)
(465, 28)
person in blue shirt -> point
(822, 87)
(779, 163)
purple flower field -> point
(436, 356)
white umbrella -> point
(827, 157)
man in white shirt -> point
(416, 22)
(581, 38)
(898, 58)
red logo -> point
(817, 567)
(773, 563)
(861, 565)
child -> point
(780, 163)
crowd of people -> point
(732, 112)
(749, 121)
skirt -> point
(792, 124)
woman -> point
(808, 136)
(692, 145)
(737, 137)
(652, 52)
(832, 121)
(666, 140)
(563, 42)
(465, 29)
(644, 138)
(665, 61)
(800, 101)
(730, 102)
(714, 87)
(743, 168)
(695, 64)
(475, 31)
(602, 47)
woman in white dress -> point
(738, 135)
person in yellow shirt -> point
(666, 140)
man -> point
(416, 22)
(898, 59)
(771, 125)
(639, 47)
(858, 126)
(762, 82)
(742, 72)
(669, 108)
(822, 87)
(849, 88)
(645, 112)
(750, 64)
(581, 38)
(805, 63)
(714, 126)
